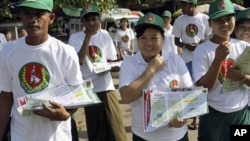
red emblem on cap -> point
(222, 4)
(88, 7)
(150, 18)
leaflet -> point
(100, 67)
(69, 96)
(160, 107)
(244, 63)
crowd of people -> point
(197, 50)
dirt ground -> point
(126, 114)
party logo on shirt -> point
(174, 84)
(94, 53)
(225, 64)
(125, 38)
(191, 30)
(33, 77)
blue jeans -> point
(189, 67)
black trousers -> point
(98, 125)
(74, 131)
(137, 138)
(6, 135)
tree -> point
(5, 9)
(7, 5)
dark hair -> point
(237, 26)
(126, 19)
(241, 21)
(143, 28)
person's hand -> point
(222, 51)
(115, 69)
(55, 112)
(156, 63)
(190, 46)
(177, 122)
(235, 74)
(202, 41)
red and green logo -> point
(125, 38)
(33, 77)
(94, 54)
(88, 7)
(223, 69)
(150, 18)
(222, 5)
(174, 84)
(191, 30)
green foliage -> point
(104, 5)
(240, 2)
(5, 9)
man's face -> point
(167, 20)
(187, 8)
(91, 21)
(36, 22)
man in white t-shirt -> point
(169, 42)
(94, 48)
(189, 30)
(51, 62)
(167, 18)
(125, 38)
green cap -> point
(37, 4)
(166, 13)
(219, 8)
(89, 8)
(190, 1)
(150, 20)
(243, 15)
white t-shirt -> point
(169, 44)
(1, 46)
(191, 29)
(27, 69)
(101, 49)
(168, 31)
(202, 59)
(2, 38)
(125, 37)
(175, 68)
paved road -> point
(126, 114)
